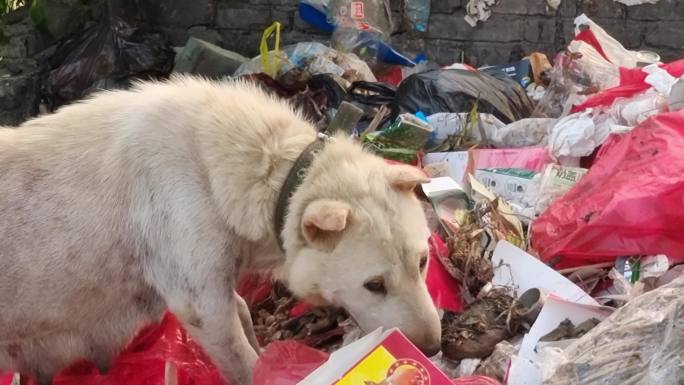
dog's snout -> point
(431, 350)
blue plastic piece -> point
(420, 58)
(388, 55)
(315, 17)
(420, 115)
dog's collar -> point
(294, 179)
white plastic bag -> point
(576, 135)
(660, 79)
(633, 111)
(616, 52)
(446, 124)
(524, 133)
(598, 70)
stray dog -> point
(131, 202)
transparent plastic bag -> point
(320, 59)
(640, 343)
(374, 16)
(633, 111)
(361, 26)
(271, 62)
(316, 58)
(579, 72)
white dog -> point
(118, 207)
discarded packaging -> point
(576, 135)
(676, 99)
(117, 49)
(508, 183)
(611, 48)
(627, 204)
(520, 71)
(448, 127)
(478, 10)
(202, 58)
(632, 82)
(527, 366)
(418, 14)
(378, 358)
(458, 90)
(640, 343)
(524, 133)
(555, 181)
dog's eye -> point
(423, 262)
(376, 285)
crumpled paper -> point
(479, 10)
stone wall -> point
(515, 28)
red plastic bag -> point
(393, 75)
(630, 202)
(588, 37)
(6, 379)
(443, 288)
(143, 361)
(632, 82)
(254, 287)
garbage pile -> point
(555, 194)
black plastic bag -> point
(115, 51)
(456, 91)
(372, 94)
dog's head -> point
(357, 238)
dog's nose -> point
(430, 350)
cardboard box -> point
(510, 184)
(520, 71)
(457, 163)
(378, 359)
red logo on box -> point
(357, 10)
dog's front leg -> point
(247, 324)
(195, 273)
(213, 320)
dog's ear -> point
(324, 221)
(405, 178)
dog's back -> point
(61, 242)
(84, 194)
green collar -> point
(294, 179)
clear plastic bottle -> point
(418, 14)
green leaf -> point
(37, 12)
